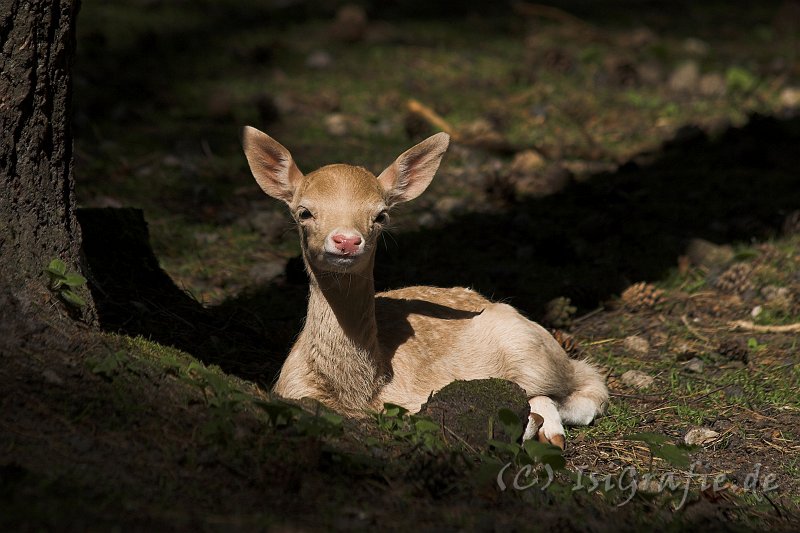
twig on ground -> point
(588, 315)
(750, 326)
(489, 143)
(432, 117)
(693, 330)
(602, 341)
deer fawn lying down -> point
(359, 349)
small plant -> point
(535, 452)
(109, 366)
(418, 430)
(754, 346)
(64, 282)
(318, 424)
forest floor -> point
(638, 169)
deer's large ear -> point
(271, 164)
(412, 172)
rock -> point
(712, 84)
(383, 127)
(700, 436)
(447, 206)
(481, 131)
(526, 162)
(350, 24)
(694, 365)
(427, 220)
(685, 351)
(704, 253)
(470, 408)
(636, 379)
(685, 77)
(265, 272)
(284, 104)
(641, 37)
(651, 73)
(734, 392)
(757, 310)
(319, 60)
(636, 344)
(52, 378)
(790, 97)
(551, 181)
(337, 125)
(696, 47)
(270, 224)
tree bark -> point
(37, 201)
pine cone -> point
(641, 296)
(558, 312)
(736, 279)
(734, 350)
(568, 342)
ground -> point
(639, 162)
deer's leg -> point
(544, 414)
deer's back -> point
(424, 332)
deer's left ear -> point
(271, 164)
(412, 172)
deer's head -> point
(341, 209)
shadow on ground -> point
(587, 242)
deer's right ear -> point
(271, 164)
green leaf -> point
(72, 298)
(424, 425)
(740, 79)
(672, 454)
(511, 424)
(504, 446)
(332, 418)
(74, 280)
(545, 453)
(392, 410)
(279, 414)
(110, 365)
(57, 267)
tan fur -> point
(359, 350)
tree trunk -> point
(37, 203)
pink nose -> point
(347, 244)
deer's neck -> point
(341, 337)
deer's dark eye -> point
(382, 218)
(304, 214)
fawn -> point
(359, 349)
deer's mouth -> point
(341, 260)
